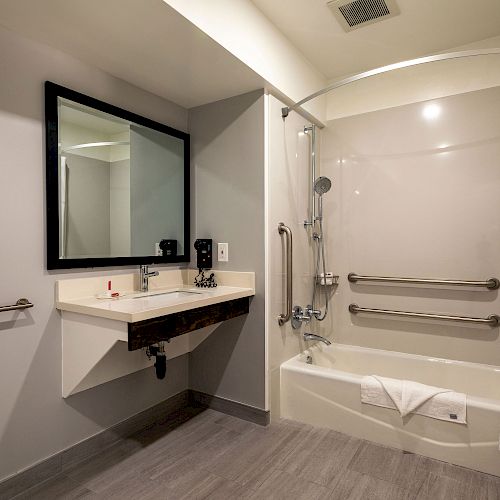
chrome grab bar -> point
(492, 320)
(20, 304)
(491, 284)
(284, 317)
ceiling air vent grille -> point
(354, 14)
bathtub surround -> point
(288, 198)
(416, 196)
(413, 195)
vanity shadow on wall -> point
(117, 185)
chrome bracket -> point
(297, 317)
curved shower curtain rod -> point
(97, 144)
(391, 67)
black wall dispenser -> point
(203, 249)
(168, 248)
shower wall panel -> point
(288, 181)
(415, 193)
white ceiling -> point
(91, 119)
(144, 42)
(423, 27)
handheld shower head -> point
(322, 185)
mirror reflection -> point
(121, 186)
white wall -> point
(88, 207)
(119, 208)
(288, 181)
(34, 420)
(416, 197)
(418, 83)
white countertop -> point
(159, 301)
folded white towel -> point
(407, 397)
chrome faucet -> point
(319, 338)
(145, 274)
(300, 315)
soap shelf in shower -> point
(329, 280)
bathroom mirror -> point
(117, 185)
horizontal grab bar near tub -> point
(492, 320)
(20, 304)
(491, 284)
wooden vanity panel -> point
(150, 331)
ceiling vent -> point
(354, 14)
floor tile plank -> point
(208, 455)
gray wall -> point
(35, 421)
(119, 208)
(88, 182)
(156, 189)
(228, 175)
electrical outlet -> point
(158, 250)
(222, 252)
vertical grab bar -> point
(284, 317)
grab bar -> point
(284, 317)
(491, 284)
(492, 320)
(20, 304)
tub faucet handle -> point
(310, 311)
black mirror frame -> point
(52, 92)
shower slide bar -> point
(20, 304)
(284, 317)
(492, 320)
(490, 284)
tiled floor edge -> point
(57, 463)
(240, 410)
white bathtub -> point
(327, 393)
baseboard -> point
(239, 410)
(61, 461)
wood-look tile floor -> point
(209, 455)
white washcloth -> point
(407, 397)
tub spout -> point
(319, 338)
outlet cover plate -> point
(222, 252)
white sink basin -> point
(173, 293)
(150, 300)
